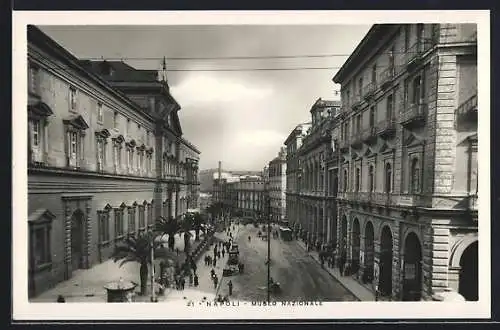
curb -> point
(333, 276)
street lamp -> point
(153, 296)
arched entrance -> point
(385, 281)
(369, 252)
(77, 239)
(355, 245)
(343, 244)
(468, 279)
(412, 269)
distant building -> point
(277, 186)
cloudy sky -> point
(239, 117)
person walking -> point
(216, 281)
(223, 253)
(190, 279)
(230, 286)
(215, 261)
(195, 280)
(249, 239)
(183, 283)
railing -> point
(415, 52)
(356, 101)
(467, 107)
(387, 127)
(414, 112)
(387, 76)
(383, 199)
(369, 90)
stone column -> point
(67, 242)
(396, 263)
(87, 247)
(376, 261)
(158, 190)
(362, 256)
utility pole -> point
(268, 250)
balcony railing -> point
(369, 134)
(387, 76)
(382, 199)
(387, 127)
(357, 139)
(369, 90)
(469, 107)
(409, 200)
(414, 114)
(415, 52)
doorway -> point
(385, 284)
(77, 239)
(412, 269)
(468, 279)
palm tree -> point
(197, 225)
(137, 249)
(168, 227)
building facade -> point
(407, 200)
(277, 187)
(103, 161)
(294, 173)
(316, 220)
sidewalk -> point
(87, 285)
(357, 289)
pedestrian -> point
(215, 261)
(216, 281)
(230, 286)
(249, 239)
(183, 283)
(60, 299)
(206, 260)
(223, 253)
(194, 267)
(215, 250)
(212, 273)
(195, 280)
(218, 254)
(190, 279)
(177, 283)
(177, 250)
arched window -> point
(371, 175)
(358, 179)
(415, 176)
(388, 178)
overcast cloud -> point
(241, 118)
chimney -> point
(220, 170)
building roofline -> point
(371, 38)
(39, 38)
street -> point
(300, 277)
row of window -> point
(358, 85)
(34, 88)
(141, 215)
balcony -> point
(387, 76)
(365, 197)
(409, 200)
(357, 140)
(414, 54)
(369, 90)
(344, 144)
(468, 109)
(387, 127)
(414, 114)
(382, 199)
(356, 101)
(369, 134)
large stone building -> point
(294, 173)
(277, 187)
(408, 166)
(316, 220)
(106, 157)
